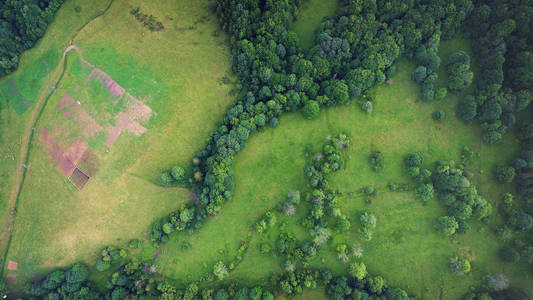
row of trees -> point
(22, 23)
(501, 36)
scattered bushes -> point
(459, 265)
(148, 21)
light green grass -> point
(406, 249)
(309, 17)
(175, 72)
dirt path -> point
(42, 99)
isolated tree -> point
(368, 220)
(459, 265)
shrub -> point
(522, 220)
(441, 93)
(414, 160)
(467, 108)
(509, 254)
(178, 173)
(447, 225)
(459, 265)
(504, 174)
(220, 270)
(358, 270)
(165, 179)
(368, 220)
(438, 115)
(311, 109)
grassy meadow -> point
(178, 73)
(182, 74)
(406, 249)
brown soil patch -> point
(11, 278)
(114, 88)
(55, 153)
(65, 101)
(129, 121)
(64, 161)
(78, 151)
(67, 113)
(89, 126)
(79, 179)
(12, 265)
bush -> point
(358, 270)
(447, 225)
(165, 179)
(368, 220)
(504, 174)
(311, 109)
(509, 254)
(414, 160)
(419, 74)
(178, 173)
(441, 93)
(220, 270)
(459, 265)
(467, 108)
(438, 115)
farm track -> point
(42, 100)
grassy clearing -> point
(309, 17)
(177, 73)
(406, 250)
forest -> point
(353, 52)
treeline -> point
(503, 43)
(135, 281)
(22, 23)
(353, 52)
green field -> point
(183, 75)
(406, 250)
(180, 81)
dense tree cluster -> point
(459, 196)
(501, 36)
(70, 284)
(460, 76)
(22, 23)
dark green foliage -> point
(148, 21)
(376, 160)
(522, 220)
(438, 115)
(509, 254)
(504, 174)
(441, 93)
(420, 74)
(460, 76)
(165, 179)
(311, 109)
(467, 108)
(22, 23)
(447, 225)
(414, 160)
